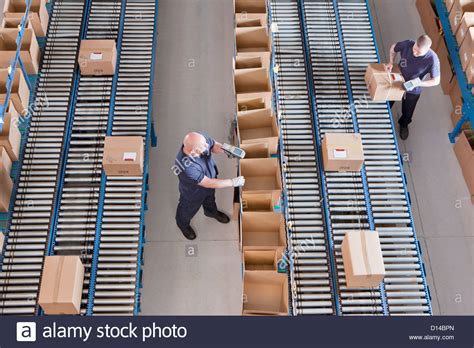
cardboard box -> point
(97, 57)
(447, 75)
(246, 19)
(247, 60)
(10, 136)
(252, 39)
(467, 21)
(19, 93)
(254, 101)
(12, 23)
(466, 51)
(30, 52)
(430, 21)
(259, 126)
(38, 16)
(250, 6)
(449, 4)
(261, 202)
(61, 285)
(470, 72)
(464, 150)
(262, 230)
(252, 80)
(262, 259)
(363, 261)
(5, 161)
(382, 85)
(6, 187)
(256, 150)
(123, 156)
(265, 293)
(457, 11)
(342, 152)
(456, 116)
(262, 175)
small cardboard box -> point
(97, 57)
(61, 285)
(265, 293)
(250, 6)
(10, 136)
(12, 23)
(261, 202)
(342, 152)
(249, 60)
(457, 11)
(123, 156)
(262, 175)
(19, 94)
(467, 21)
(252, 39)
(252, 80)
(258, 126)
(382, 85)
(363, 261)
(254, 101)
(246, 19)
(6, 183)
(256, 150)
(38, 16)
(430, 21)
(466, 51)
(262, 230)
(262, 259)
(30, 52)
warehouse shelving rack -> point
(466, 88)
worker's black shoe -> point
(404, 133)
(188, 232)
(219, 216)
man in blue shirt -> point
(417, 60)
(197, 173)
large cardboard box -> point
(252, 39)
(382, 85)
(457, 11)
(466, 51)
(467, 21)
(6, 183)
(19, 93)
(363, 261)
(254, 101)
(261, 202)
(38, 16)
(30, 52)
(262, 259)
(250, 6)
(245, 19)
(252, 80)
(257, 126)
(265, 293)
(464, 150)
(342, 152)
(447, 75)
(97, 57)
(429, 20)
(61, 285)
(10, 136)
(262, 230)
(262, 175)
(123, 156)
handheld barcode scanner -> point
(233, 152)
(412, 84)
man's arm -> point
(431, 82)
(217, 148)
(393, 54)
(222, 183)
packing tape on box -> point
(365, 247)
(57, 280)
(389, 75)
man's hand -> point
(238, 182)
(389, 67)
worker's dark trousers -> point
(188, 208)
(408, 108)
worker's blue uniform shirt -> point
(412, 67)
(193, 169)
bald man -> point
(197, 173)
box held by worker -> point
(245, 19)
(257, 126)
(262, 230)
(363, 261)
(252, 39)
(262, 202)
(38, 14)
(61, 285)
(19, 93)
(97, 57)
(261, 175)
(123, 156)
(457, 11)
(254, 101)
(383, 85)
(342, 152)
(252, 80)
(29, 52)
(10, 136)
(250, 6)
(265, 293)
(263, 259)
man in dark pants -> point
(197, 173)
(417, 60)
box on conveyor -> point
(10, 136)
(263, 259)
(363, 261)
(430, 21)
(30, 52)
(38, 15)
(464, 150)
(467, 21)
(382, 85)
(252, 39)
(19, 93)
(261, 202)
(457, 11)
(253, 101)
(259, 126)
(123, 156)
(262, 230)
(6, 183)
(61, 285)
(250, 6)
(265, 293)
(261, 175)
(342, 152)
(97, 57)
(252, 80)
(250, 60)
(245, 19)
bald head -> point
(422, 46)
(194, 144)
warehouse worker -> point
(417, 60)
(197, 173)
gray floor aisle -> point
(192, 91)
(443, 213)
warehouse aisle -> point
(192, 91)
(443, 213)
